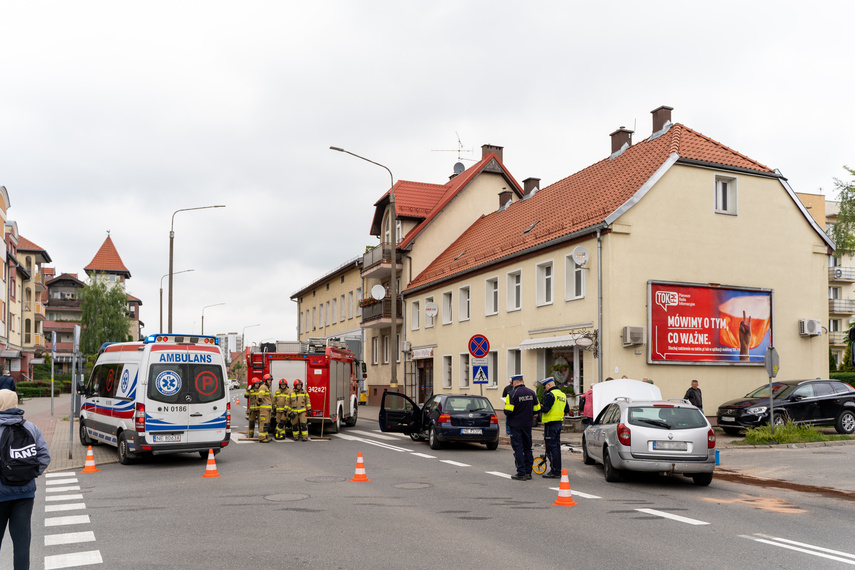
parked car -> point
(233, 384)
(444, 418)
(664, 436)
(811, 402)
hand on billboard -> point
(744, 337)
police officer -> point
(520, 410)
(251, 395)
(280, 403)
(553, 409)
(299, 404)
(265, 408)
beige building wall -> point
(345, 283)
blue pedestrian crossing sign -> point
(480, 375)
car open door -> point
(398, 413)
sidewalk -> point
(56, 429)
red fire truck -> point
(329, 372)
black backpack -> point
(19, 461)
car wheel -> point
(779, 420)
(492, 445)
(84, 437)
(702, 479)
(126, 457)
(351, 421)
(731, 430)
(432, 439)
(845, 422)
(586, 459)
(415, 436)
(611, 474)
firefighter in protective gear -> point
(280, 403)
(265, 409)
(251, 395)
(300, 405)
(268, 381)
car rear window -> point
(842, 388)
(466, 404)
(670, 417)
(185, 383)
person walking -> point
(16, 501)
(280, 403)
(554, 408)
(6, 382)
(300, 405)
(264, 401)
(694, 396)
(520, 410)
(251, 395)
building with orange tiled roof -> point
(107, 265)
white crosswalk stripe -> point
(54, 503)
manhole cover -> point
(413, 486)
(285, 497)
(326, 479)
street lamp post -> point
(171, 239)
(203, 314)
(393, 381)
(161, 296)
(243, 332)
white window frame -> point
(463, 299)
(574, 279)
(350, 304)
(447, 370)
(515, 293)
(334, 310)
(358, 298)
(545, 283)
(465, 369)
(447, 307)
(726, 196)
(493, 369)
(429, 321)
(314, 321)
(514, 361)
(398, 347)
(385, 349)
(491, 296)
(341, 315)
(415, 314)
(375, 350)
(834, 293)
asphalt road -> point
(288, 504)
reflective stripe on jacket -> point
(555, 412)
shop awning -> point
(37, 361)
(10, 354)
(555, 341)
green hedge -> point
(41, 388)
(848, 377)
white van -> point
(166, 394)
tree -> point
(104, 315)
(843, 231)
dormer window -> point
(725, 195)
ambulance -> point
(165, 394)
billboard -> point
(708, 324)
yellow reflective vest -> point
(556, 412)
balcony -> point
(841, 306)
(841, 273)
(835, 337)
(40, 283)
(377, 263)
(379, 315)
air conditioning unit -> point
(632, 336)
(406, 346)
(810, 327)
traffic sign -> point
(481, 375)
(479, 346)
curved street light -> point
(161, 295)
(203, 314)
(243, 332)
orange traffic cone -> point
(211, 468)
(89, 467)
(237, 400)
(360, 470)
(565, 496)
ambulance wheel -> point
(126, 457)
(84, 437)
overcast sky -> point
(114, 114)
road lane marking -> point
(75, 559)
(450, 462)
(64, 498)
(368, 433)
(69, 538)
(828, 553)
(63, 521)
(63, 489)
(578, 493)
(68, 507)
(62, 481)
(369, 442)
(425, 455)
(498, 474)
(677, 518)
(59, 474)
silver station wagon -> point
(671, 437)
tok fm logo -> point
(666, 299)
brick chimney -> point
(488, 148)
(619, 137)
(661, 116)
(504, 197)
(530, 184)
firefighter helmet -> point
(256, 381)
(283, 382)
(267, 377)
(298, 382)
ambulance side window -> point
(91, 388)
(110, 374)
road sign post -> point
(772, 362)
(479, 348)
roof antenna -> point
(460, 149)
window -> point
(350, 305)
(414, 315)
(385, 349)
(329, 316)
(428, 319)
(334, 311)
(514, 291)
(493, 368)
(514, 362)
(358, 298)
(446, 371)
(341, 315)
(313, 318)
(397, 348)
(574, 279)
(446, 308)
(375, 350)
(464, 370)
(491, 296)
(834, 293)
(464, 304)
(725, 195)
(544, 284)
(834, 325)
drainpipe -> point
(600, 304)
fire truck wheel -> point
(336, 425)
(351, 421)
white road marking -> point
(369, 442)
(498, 474)
(835, 555)
(66, 507)
(677, 518)
(64, 498)
(450, 462)
(74, 559)
(578, 493)
(62, 489)
(377, 435)
(59, 474)
(61, 481)
(69, 538)
(425, 455)
(63, 521)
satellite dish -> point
(378, 292)
(431, 309)
(580, 256)
(459, 168)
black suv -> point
(811, 402)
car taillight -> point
(228, 415)
(711, 439)
(139, 417)
(443, 418)
(494, 419)
(623, 434)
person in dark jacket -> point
(694, 396)
(509, 389)
(6, 382)
(16, 502)
(520, 410)
(554, 408)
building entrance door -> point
(424, 379)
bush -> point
(848, 377)
(787, 433)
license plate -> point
(724, 419)
(671, 445)
(167, 438)
(470, 432)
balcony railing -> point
(835, 337)
(841, 306)
(380, 310)
(380, 254)
(841, 273)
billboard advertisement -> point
(708, 324)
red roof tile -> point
(576, 203)
(107, 260)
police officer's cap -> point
(546, 381)
(517, 377)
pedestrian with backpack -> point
(23, 457)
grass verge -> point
(788, 433)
